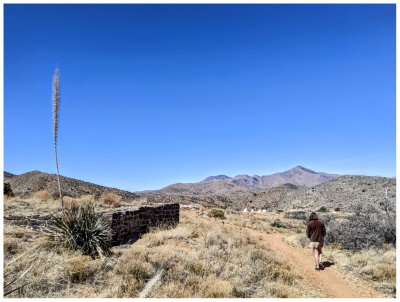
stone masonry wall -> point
(127, 226)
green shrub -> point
(278, 224)
(7, 190)
(81, 229)
(323, 209)
(337, 209)
(217, 213)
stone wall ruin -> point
(127, 225)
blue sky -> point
(159, 94)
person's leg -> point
(321, 266)
(316, 257)
(320, 251)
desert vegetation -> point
(209, 259)
(43, 195)
(7, 190)
(203, 256)
(111, 199)
(81, 229)
(41, 203)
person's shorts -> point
(316, 245)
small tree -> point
(56, 107)
(7, 190)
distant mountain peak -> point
(303, 169)
(215, 178)
(298, 176)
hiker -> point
(316, 232)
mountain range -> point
(298, 176)
(297, 188)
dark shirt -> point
(316, 231)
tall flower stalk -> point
(56, 107)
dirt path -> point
(326, 282)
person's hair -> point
(313, 216)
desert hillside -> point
(344, 193)
(25, 185)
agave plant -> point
(81, 229)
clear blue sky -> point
(158, 94)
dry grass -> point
(201, 259)
(265, 222)
(73, 203)
(70, 203)
(87, 199)
(111, 199)
(43, 195)
(81, 269)
(52, 272)
(29, 206)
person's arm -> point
(308, 231)
(323, 230)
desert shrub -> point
(300, 215)
(70, 203)
(111, 199)
(217, 214)
(278, 224)
(7, 190)
(42, 195)
(367, 228)
(322, 209)
(81, 229)
(337, 209)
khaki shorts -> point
(316, 245)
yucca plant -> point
(81, 229)
(56, 107)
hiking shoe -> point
(317, 269)
(321, 266)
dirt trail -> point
(326, 282)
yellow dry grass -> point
(111, 199)
(43, 195)
(201, 257)
(70, 203)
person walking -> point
(316, 232)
